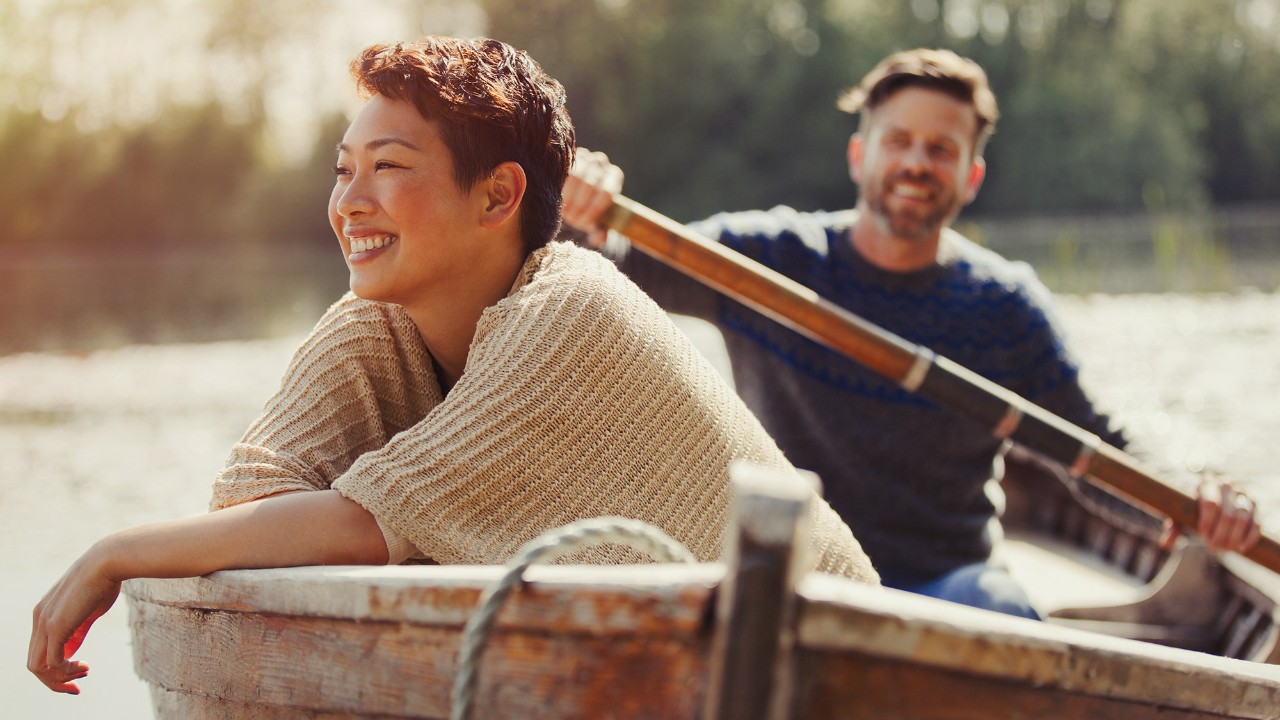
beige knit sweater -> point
(579, 399)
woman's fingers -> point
(61, 622)
(46, 656)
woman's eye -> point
(340, 170)
(384, 164)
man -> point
(914, 482)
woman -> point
(477, 387)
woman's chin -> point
(367, 288)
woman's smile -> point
(366, 246)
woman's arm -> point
(362, 376)
(305, 528)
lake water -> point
(98, 432)
(183, 294)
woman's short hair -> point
(494, 104)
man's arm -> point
(305, 528)
(589, 192)
(1226, 516)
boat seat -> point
(1072, 587)
(1060, 575)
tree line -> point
(1107, 105)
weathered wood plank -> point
(1059, 575)
(986, 648)
(634, 642)
(170, 704)
(750, 666)
(657, 596)
(836, 686)
(369, 668)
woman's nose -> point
(352, 198)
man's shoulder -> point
(810, 228)
(982, 266)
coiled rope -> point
(558, 542)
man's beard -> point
(912, 224)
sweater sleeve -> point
(360, 377)
(1052, 374)
(580, 399)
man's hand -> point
(1227, 518)
(589, 192)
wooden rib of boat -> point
(744, 639)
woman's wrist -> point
(107, 560)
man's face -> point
(914, 163)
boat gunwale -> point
(671, 598)
(898, 625)
(835, 616)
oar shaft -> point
(762, 288)
(913, 367)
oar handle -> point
(913, 367)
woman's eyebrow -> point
(380, 142)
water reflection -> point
(1221, 251)
(84, 303)
(80, 304)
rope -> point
(551, 544)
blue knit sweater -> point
(913, 480)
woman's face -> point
(402, 221)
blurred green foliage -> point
(1108, 105)
(729, 104)
(192, 178)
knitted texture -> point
(912, 479)
(579, 399)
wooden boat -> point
(1133, 631)
(749, 638)
(1093, 561)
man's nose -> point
(916, 157)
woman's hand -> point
(302, 528)
(63, 617)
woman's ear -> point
(504, 191)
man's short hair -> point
(494, 104)
(939, 70)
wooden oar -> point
(913, 367)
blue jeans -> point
(982, 585)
